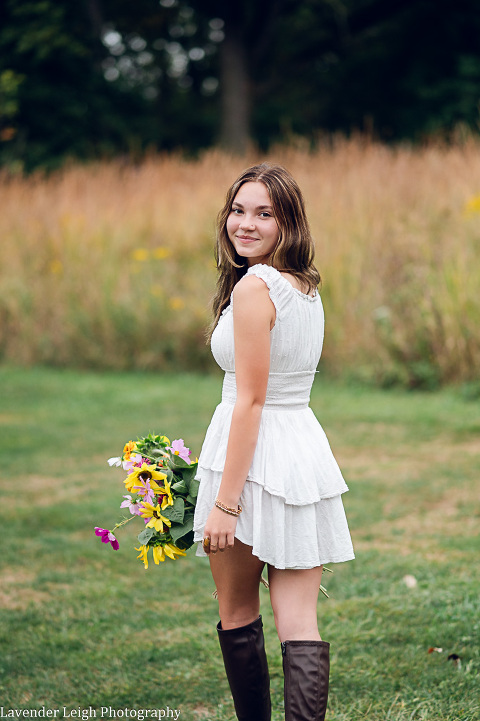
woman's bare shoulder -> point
(251, 299)
(295, 282)
(250, 284)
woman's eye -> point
(265, 215)
(236, 211)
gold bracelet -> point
(232, 511)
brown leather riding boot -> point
(306, 667)
(245, 662)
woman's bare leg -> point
(294, 596)
(236, 573)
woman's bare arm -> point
(253, 317)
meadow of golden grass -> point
(111, 264)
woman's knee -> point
(236, 605)
(296, 625)
(238, 611)
(237, 577)
(238, 618)
(294, 596)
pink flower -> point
(131, 505)
(107, 537)
(144, 489)
(135, 461)
(178, 448)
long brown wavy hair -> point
(295, 249)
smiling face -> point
(251, 226)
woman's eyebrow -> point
(259, 207)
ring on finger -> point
(206, 542)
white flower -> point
(115, 461)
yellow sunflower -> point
(140, 476)
(161, 552)
(153, 513)
(143, 554)
(167, 499)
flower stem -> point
(122, 523)
(150, 458)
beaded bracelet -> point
(232, 511)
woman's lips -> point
(246, 238)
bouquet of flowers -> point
(162, 490)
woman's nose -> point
(246, 223)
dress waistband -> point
(285, 391)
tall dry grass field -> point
(111, 265)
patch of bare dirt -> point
(456, 513)
(202, 713)
(405, 461)
(44, 491)
(17, 590)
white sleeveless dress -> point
(293, 514)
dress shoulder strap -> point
(280, 290)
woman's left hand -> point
(220, 530)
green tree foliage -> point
(406, 68)
(56, 101)
(168, 50)
(99, 77)
(399, 69)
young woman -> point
(270, 488)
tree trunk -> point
(235, 92)
(94, 10)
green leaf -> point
(183, 531)
(186, 541)
(155, 439)
(177, 462)
(145, 536)
(188, 474)
(193, 487)
(180, 487)
(176, 512)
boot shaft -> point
(306, 667)
(243, 651)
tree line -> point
(96, 78)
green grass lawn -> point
(82, 626)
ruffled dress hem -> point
(280, 534)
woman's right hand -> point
(220, 529)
